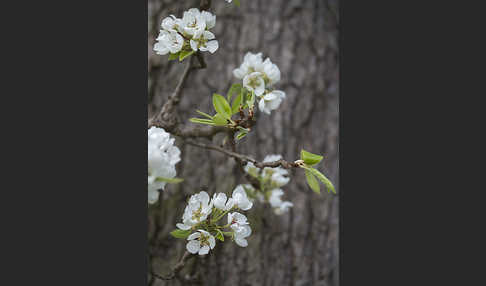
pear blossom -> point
(219, 201)
(269, 71)
(191, 32)
(209, 18)
(241, 228)
(239, 199)
(193, 23)
(162, 158)
(168, 42)
(200, 242)
(204, 42)
(276, 174)
(229, 1)
(197, 210)
(276, 202)
(170, 24)
(255, 82)
(271, 101)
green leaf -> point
(219, 235)
(202, 121)
(240, 135)
(309, 158)
(173, 56)
(219, 119)
(312, 181)
(221, 105)
(204, 114)
(235, 108)
(323, 179)
(235, 88)
(184, 54)
(169, 180)
(179, 233)
(237, 2)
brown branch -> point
(177, 268)
(245, 158)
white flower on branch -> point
(200, 242)
(162, 158)
(197, 210)
(270, 72)
(254, 82)
(275, 200)
(219, 201)
(203, 42)
(277, 174)
(239, 199)
(168, 42)
(241, 228)
(193, 22)
(271, 101)
(190, 32)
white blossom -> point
(197, 210)
(200, 242)
(271, 101)
(170, 24)
(162, 158)
(219, 201)
(168, 42)
(193, 22)
(209, 18)
(229, 1)
(269, 71)
(239, 199)
(277, 174)
(254, 82)
(276, 202)
(204, 42)
(241, 228)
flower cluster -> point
(162, 158)
(188, 35)
(259, 76)
(271, 180)
(203, 213)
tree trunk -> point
(297, 248)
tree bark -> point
(297, 248)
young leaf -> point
(219, 235)
(240, 135)
(204, 114)
(312, 181)
(179, 233)
(323, 179)
(235, 88)
(219, 119)
(251, 100)
(169, 180)
(202, 121)
(221, 105)
(235, 107)
(173, 56)
(237, 2)
(184, 54)
(309, 158)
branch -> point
(245, 158)
(177, 268)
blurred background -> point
(301, 246)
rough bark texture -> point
(297, 248)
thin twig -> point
(177, 268)
(245, 158)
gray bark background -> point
(297, 248)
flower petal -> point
(194, 236)
(193, 246)
(204, 250)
